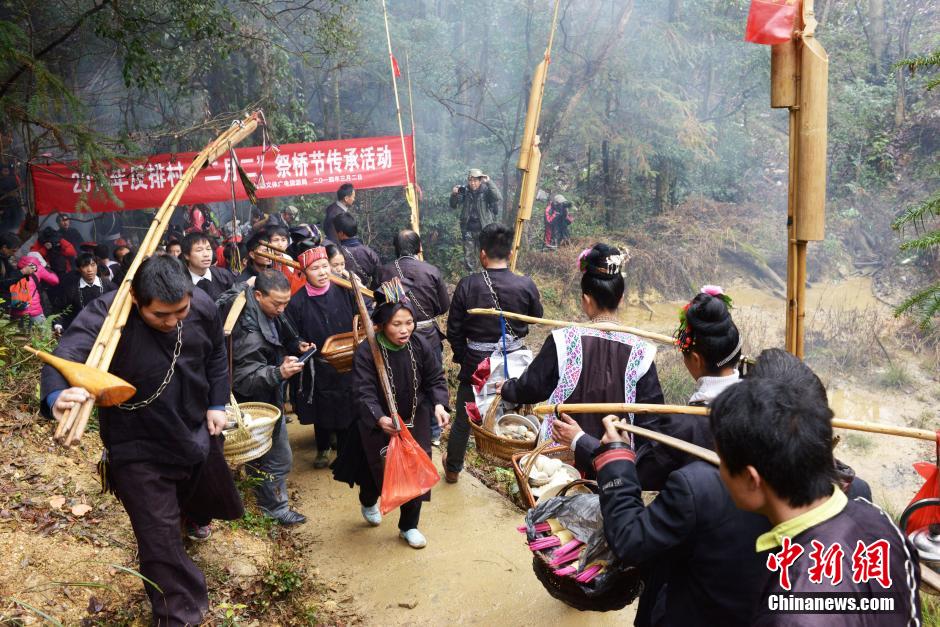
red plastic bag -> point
(771, 21)
(409, 472)
(925, 516)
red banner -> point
(289, 170)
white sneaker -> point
(372, 515)
(414, 538)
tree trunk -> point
(877, 35)
(675, 10)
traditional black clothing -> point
(329, 230)
(323, 394)
(694, 548)
(413, 366)
(582, 365)
(77, 294)
(162, 461)
(427, 292)
(474, 338)
(362, 260)
(214, 282)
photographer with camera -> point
(479, 205)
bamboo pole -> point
(530, 157)
(649, 335)
(686, 447)
(238, 305)
(695, 410)
(620, 408)
(409, 189)
(377, 358)
(335, 278)
(72, 426)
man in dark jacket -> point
(775, 445)
(479, 205)
(9, 273)
(474, 338)
(360, 258)
(68, 232)
(255, 262)
(81, 287)
(261, 366)
(163, 456)
(197, 255)
(345, 197)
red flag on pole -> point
(395, 67)
(770, 22)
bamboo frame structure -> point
(290, 263)
(694, 410)
(530, 157)
(799, 81)
(649, 335)
(70, 429)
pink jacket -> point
(41, 274)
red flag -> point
(771, 21)
(395, 67)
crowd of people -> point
(704, 545)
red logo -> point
(826, 563)
(781, 561)
(872, 562)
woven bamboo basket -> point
(496, 448)
(523, 462)
(617, 593)
(247, 442)
(338, 350)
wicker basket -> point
(338, 350)
(619, 592)
(245, 443)
(523, 467)
(496, 448)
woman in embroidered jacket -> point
(323, 395)
(417, 381)
(580, 365)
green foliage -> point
(255, 523)
(859, 137)
(282, 580)
(929, 61)
(896, 376)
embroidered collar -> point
(708, 388)
(387, 343)
(795, 526)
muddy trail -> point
(476, 568)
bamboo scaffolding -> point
(649, 335)
(290, 263)
(70, 429)
(693, 410)
(530, 157)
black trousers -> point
(155, 497)
(322, 437)
(409, 513)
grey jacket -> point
(257, 352)
(477, 209)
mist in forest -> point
(649, 105)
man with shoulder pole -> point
(478, 201)
(163, 457)
(474, 338)
(261, 366)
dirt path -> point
(475, 569)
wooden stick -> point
(874, 427)
(681, 445)
(238, 305)
(621, 408)
(376, 355)
(335, 278)
(71, 428)
(656, 337)
(694, 410)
